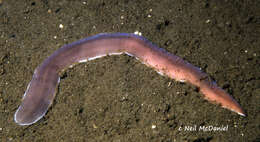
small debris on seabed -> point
(61, 26)
(138, 33)
(153, 126)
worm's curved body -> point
(40, 92)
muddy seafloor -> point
(117, 98)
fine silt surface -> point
(117, 98)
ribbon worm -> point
(40, 92)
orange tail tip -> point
(217, 95)
(237, 110)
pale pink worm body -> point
(40, 92)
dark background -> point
(117, 98)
